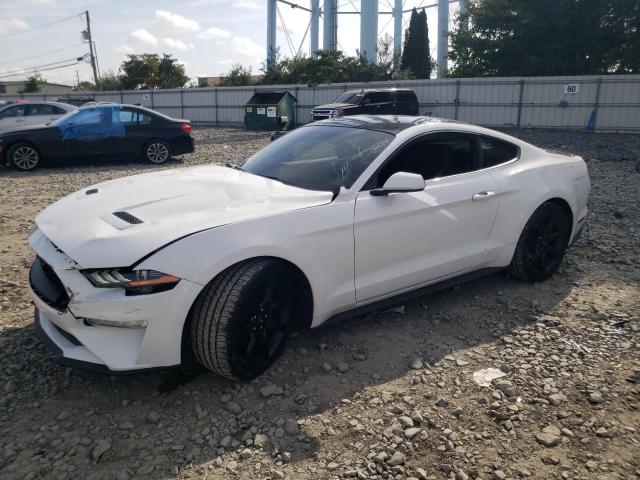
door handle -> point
(482, 196)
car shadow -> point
(198, 415)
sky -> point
(207, 36)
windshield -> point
(349, 97)
(319, 157)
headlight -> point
(336, 113)
(135, 282)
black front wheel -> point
(542, 244)
(242, 319)
(24, 156)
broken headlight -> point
(135, 282)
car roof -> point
(368, 90)
(384, 123)
(405, 127)
(40, 102)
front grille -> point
(46, 284)
(127, 217)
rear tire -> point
(542, 244)
(241, 320)
(157, 151)
(24, 156)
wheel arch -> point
(564, 205)
(12, 143)
(303, 296)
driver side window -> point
(434, 157)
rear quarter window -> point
(406, 96)
(496, 152)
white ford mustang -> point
(332, 219)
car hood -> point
(335, 106)
(26, 130)
(159, 208)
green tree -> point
(416, 56)
(547, 37)
(33, 84)
(237, 76)
(171, 73)
(149, 71)
(109, 80)
(332, 66)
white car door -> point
(13, 117)
(404, 240)
(41, 114)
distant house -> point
(17, 86)
(215, 81)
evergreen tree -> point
(415, 54)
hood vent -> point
(127, 217)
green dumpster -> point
(270, 110)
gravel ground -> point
(387, 396)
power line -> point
(44, 54)
(41, 26)
(39, 67)
(41, 70)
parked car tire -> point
(542, 244)
(241, 320)
(157, 151)
(23, 156)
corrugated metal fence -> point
(609, 102)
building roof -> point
(22, 82)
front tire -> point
(542, 244)
(241, 320)
(157, 151)
(24, 156)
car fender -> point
(317, 240)
(524, 186)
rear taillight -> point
(186, 128)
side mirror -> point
(400, 182)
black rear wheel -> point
(542, 244)
(157, 151)
(242, 319)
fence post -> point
(296, 107)
(152, 104)
(457, 100)
(181, 103)
(596, 104)
(520, 103)
(215, 101)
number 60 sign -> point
(572, 88)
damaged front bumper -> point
(142, 332)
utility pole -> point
(93, 57)
(78, 79)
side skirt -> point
(419, 292)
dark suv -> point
(379, 101)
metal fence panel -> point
(610, 102)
